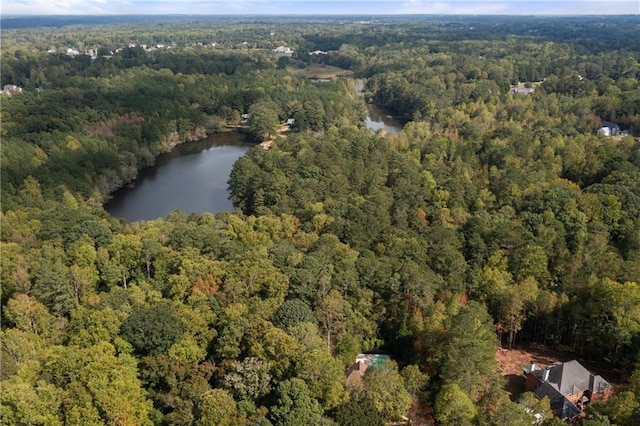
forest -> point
(502, 215)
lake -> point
(193, 178)
(378, 119)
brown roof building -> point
(355, 373)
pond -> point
(378, 119)
(193, 178)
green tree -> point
(152, 330)
(330, 315)
(263, 119)
(385, 387)
(468, 358)
(324, 376)
(97, 377)
(51, 280)
(126, 252)
(622, 409)
(292, 312)
(217, 408)
(275, 347)
(359, 410)
(454, 407)
(176, 388)
(22, 402)
(497, 410)
(21, 350)
(27, 314)
(89, 327)
(294, 405)
(414, 379)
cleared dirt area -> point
(514, 360)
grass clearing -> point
(318, 71)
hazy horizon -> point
(322, 7)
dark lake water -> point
(193, 178)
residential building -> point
(569, 386)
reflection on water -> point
(378, 119)
(193, 178)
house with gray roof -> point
(609, 129)
(569, 387)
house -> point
(284, 50)
(10, 89)
(317, 52)
(609, 129)
(355, 373)
(522, 90)
(569, 387)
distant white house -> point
(522, 90)
(317, 52)
(10, 90)
(283, 49)
(72, 52)
(609, 129)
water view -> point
(193, 178)
(378, 119)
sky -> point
(311, 7)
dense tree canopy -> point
(493, 218)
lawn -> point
(318, 71)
